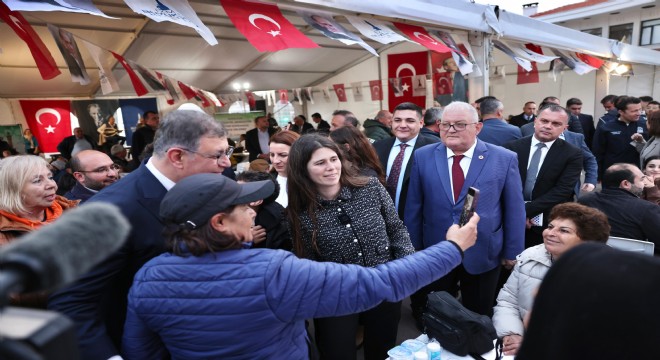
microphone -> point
(59, 253)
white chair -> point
(638, 246)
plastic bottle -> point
(421, 355)
(433, 350)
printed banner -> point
(71, 54)
(309, 95)
(106, 77)
(357, 91)
(449, 84)
(333, 30)
(94, 114)
(49, 121)
(375, 30)
(519, 60)
(76, 6)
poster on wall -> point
(402, 69)
(49, 121)
(95, 115)
(13, 136)
(132, 111)
(448, 82)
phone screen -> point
(469, 206)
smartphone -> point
(469, 206)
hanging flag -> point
(573, 62)
(463, 43)
(106, 78)
(211, 97)
(375, 87)
(375, 30)
(326, 92)
(76, 6)
(49, 121)
(590, 60)
(340, 92)
(264, 26)
(332, 29)
(357, 91)
(519, 60)
(530, 52)
(309, 95)
(135, 80)
(202, 98)
(188, 92)
(446, 39)
(171, 95)
(528, 77)
(296, 95)
(45, 62)
(178, 12)
(283, 95)
(401, 70)
(251, 100)
(71, 54)
(149, 76)
(420, 36)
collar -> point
(548, 144)
(616, 191)
(344, 195)
(410, 142)
(468, 154)
(164, 180)
(484, 120)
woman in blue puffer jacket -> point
(208, 298)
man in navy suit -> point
(495, 130)
(187, 143)
(557, 170)
(574, 106)
(436, 197)
(527, 116)
(406, 126)
(589, 163)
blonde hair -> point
(15, 172)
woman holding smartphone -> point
(338, 216)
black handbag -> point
(459, 330)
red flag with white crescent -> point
(340, 91)
(376, 88)
(188, 92)
(528, 77)
(590, 60)
(264, 26)
(251, 100)
(49, 121)
(401, 69)
(45, 62)
(139, 87)
(422, 37)
(284, 95)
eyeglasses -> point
(218, 158)
(457, 126)
(103, 170)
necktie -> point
(395, 171)
(533, 169)
(457, 176)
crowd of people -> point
(336, 224)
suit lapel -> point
(523, 157)
(383, 152)
(479, 158)
(550, 158)
(441, 163)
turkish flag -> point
(404, 67)
(186, 90)
(376, 88)
(264, 26)
(206, 102)
(442, 84)
(284, 95)
(43, 58)
(528, 77)
(135, 80)
(251, 100)
(340, 92)
(590, 60)
(422, 37)
(535, 48)
(49, 121)
(171, 95)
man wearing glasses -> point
(439, 181)
(186, 143)
(93, 170)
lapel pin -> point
(481, 157)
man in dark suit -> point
(188, 143)
(323, 127)
(553, 172)
(528, 115)
(406, 124)
(574, 124)
(495, 130)
(257, 139)
(75, 143)
(574, 106)
(144, 136)
(439, 181)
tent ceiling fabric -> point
(179, 52)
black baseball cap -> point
(195, 199)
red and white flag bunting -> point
(106, 78)
(419, 35)
(135, 80)
(376, 88)
(340, 92)
(524, 63)
(309, 95)
(327, 26)
(375, 30)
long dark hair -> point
(359, 151)
(302, 191)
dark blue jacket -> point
(498, 132)
(589, 163)
(612, 143)
(251, 304)
(79, 192)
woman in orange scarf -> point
(27, 201)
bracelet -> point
(457, 247)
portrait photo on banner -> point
(448, 82)
(66, 42)
(94, 114)
(12, 135)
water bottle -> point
(433, 350)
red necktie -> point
(395, 171)
(457, 176)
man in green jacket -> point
(379, 127)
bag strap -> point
(476, 356)
(498, 351)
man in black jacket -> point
(257, 139)
(144, 135)
(75, 143)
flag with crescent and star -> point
(340, 91)
(402, 68)
(45, 62)
(264, 26)
(139, 87)
(49, 121)
(376, 88)
(422, 37)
